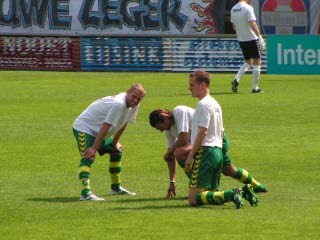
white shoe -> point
(122, 191)
(91, 197)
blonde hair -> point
(138, 87)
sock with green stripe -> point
(214, 198)
(84, 176)
(245, 177)
(115, 170)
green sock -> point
(84, 175)
(214, 198)
(115, 170)
(245, 177)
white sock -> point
(244, 67)
(255, 76)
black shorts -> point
(250, 49)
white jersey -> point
(112, 110)
(241, 16)
(208, 114)
(182, 116)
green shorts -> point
(85, 141)
(225, 148)
(206, 168)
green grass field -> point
(274, 135)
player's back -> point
(241, 15)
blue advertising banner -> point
(161, 54)
(122, 54)
(294, 55)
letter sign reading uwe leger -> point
(24, 14)
(98, 17)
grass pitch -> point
(274, 135)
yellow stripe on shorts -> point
(195, 168)
(82, 141)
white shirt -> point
(208, 114)
(112, 110)
(241, 16)
(182, 116)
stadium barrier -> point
(171, 54)
(40, 53)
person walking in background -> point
(98, 129)
(250, 41)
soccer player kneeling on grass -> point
(204, 162)
(176, 125)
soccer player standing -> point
(205, 159)
(98, 129)
(250, 41)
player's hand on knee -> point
(89, 153)
(118, 147)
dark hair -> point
(201, 76)
(158, 116)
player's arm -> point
(91, 152)
(234, 27)
(171, 163)
(182, 140)
(197, 144)
(116, 137)
(172, 176)
(255, 28)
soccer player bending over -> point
(98, 129)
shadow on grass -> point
(55, 199)
(137, 200)
(76, 199)
(176, 203)
(181, 205)
(161, 203)
(154, 207)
